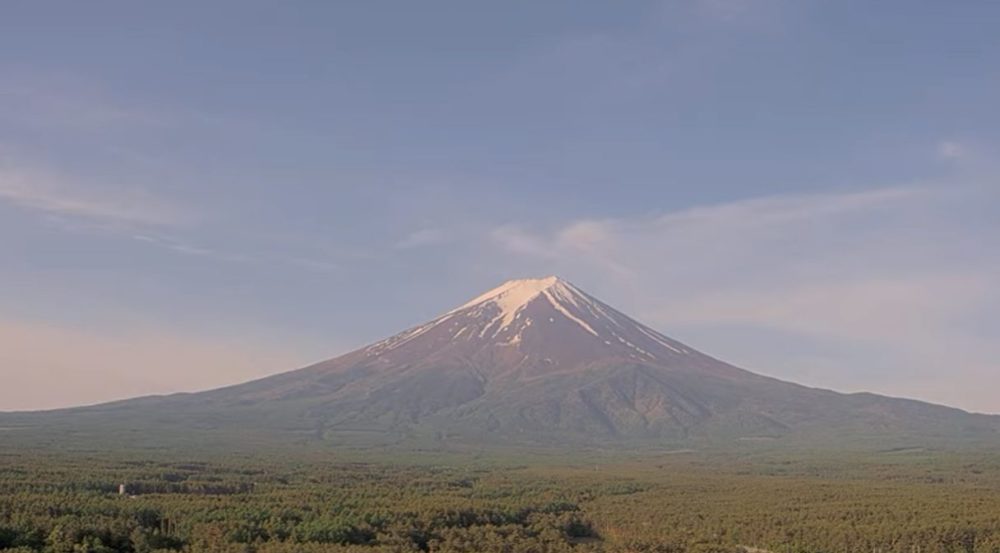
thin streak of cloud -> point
(186, 248)
(318, 265)
(783, 209)
(53, 194)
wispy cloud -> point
(239, 254)
(423, 237)
(187, 248)
(54, 194)
(775, 210)
(952, 149)
(516, 239)
(885, 269)
(721, 233)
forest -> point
(896, 502)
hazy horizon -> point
(193, 196)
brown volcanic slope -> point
(534, 362)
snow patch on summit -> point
(512, 296)
(499, 317)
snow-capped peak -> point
(525, 309)
(514, 294)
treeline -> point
(201, 509)
(58, 505)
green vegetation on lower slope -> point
(897, 501)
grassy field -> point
(893, 501)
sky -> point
(194, 194)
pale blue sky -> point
(197, 193)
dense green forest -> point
(897, 502)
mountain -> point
(535, 363)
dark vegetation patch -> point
(59, 504)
